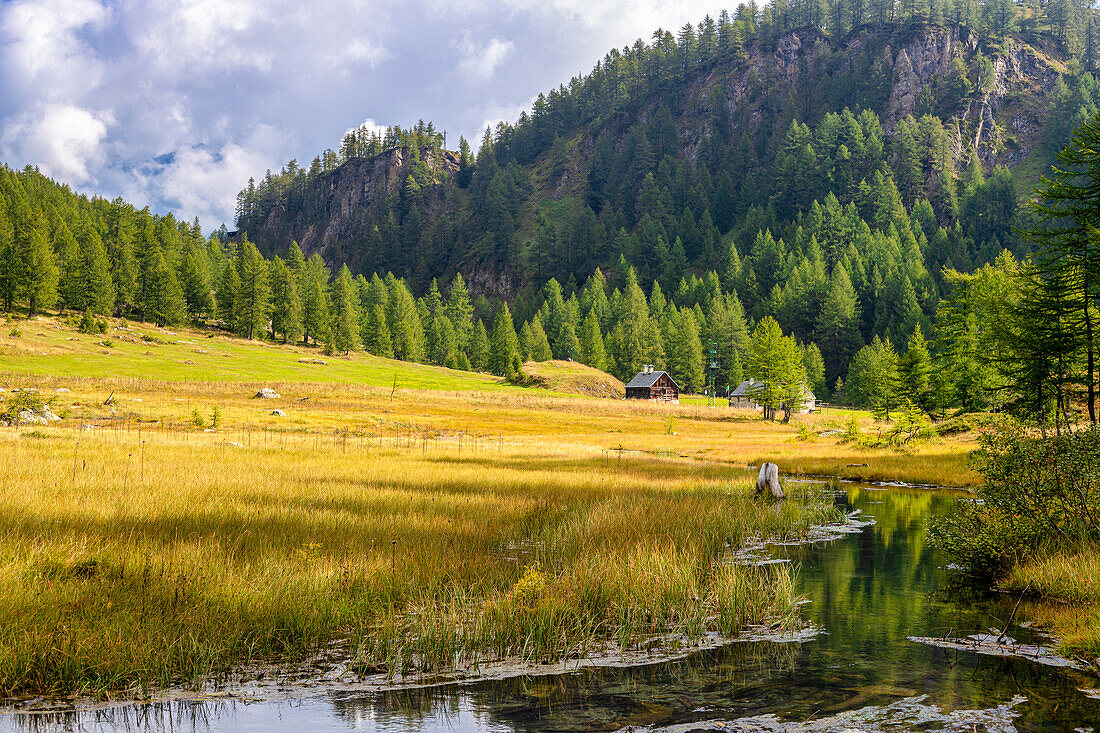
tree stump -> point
(768, 481)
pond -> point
(868, 593)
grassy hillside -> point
(570, 377)
(53, 347)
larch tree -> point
(252, 304)
(311, 287)
(345, 315)
(286, 304)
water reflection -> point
(868, 591)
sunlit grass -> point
(174, 557)
(1066, 586)
(435, 519)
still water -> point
(868, 592)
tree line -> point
(60, 250)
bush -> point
(1038, 492)
(87, 323)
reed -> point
(125, 572)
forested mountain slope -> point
(708, 144)
(799, 195)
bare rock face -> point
(767, 482)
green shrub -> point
(1038, 492)
(88, 324)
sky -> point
(175, 104)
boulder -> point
(62, 390)
(767, 482)
(268, 394)
(278, 413)
(41, 416)
(322, 362)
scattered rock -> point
(322, 362)
(41, 416)
(62, 390)
(86, 426)
(830, 433)
(267, 394)
(278, 413)
(237, 445)
(767, 482)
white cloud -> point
(41, 47)
(205, 183)
(63, 140)
(479, 62)
(370, 124)
(101, 93)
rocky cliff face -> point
(328, 215)
(1002, 124)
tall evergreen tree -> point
(252, 303)
(286, 305)
(345, 314)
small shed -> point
(652, 385)
(747, 395)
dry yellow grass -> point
(460, 519)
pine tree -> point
(916, 371)
(591, 350)
(91, 287)
(34, 266)
(873, 377)
(460, 310)
(814, 366)
(836, 329)
(443, 341)
(252, 304)
(404, 323)
(479, 347)
(315, 314)
(1067, 213)
(538, 347)
(286, 305)
(775, 363)
(503, 344)
(228, 286)
(166, 306)
(147, 254)
(195, 282)
(345, 315)
(376, 335)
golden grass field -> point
(418, 517)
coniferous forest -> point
(832, 193)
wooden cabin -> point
(652, 385)
(747, 395)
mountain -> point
(733, 138)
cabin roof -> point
(750, 387)
(648, 380)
